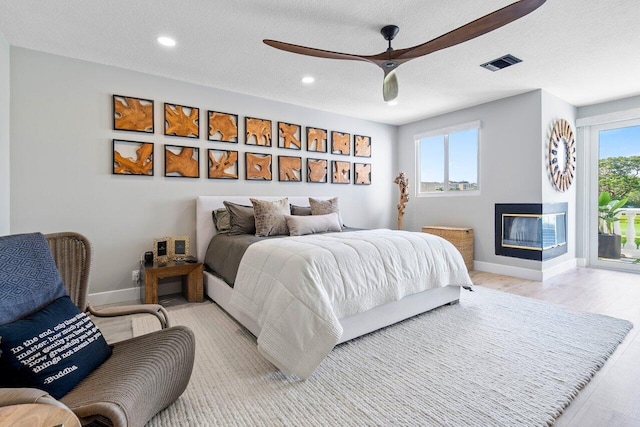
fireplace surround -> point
(536, 231)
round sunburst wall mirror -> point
(562, 155)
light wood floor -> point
(612, 397)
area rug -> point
(493, 360)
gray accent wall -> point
(513, 169)
(5, 171)
(61, 160)
(554, 108)
(510, 165)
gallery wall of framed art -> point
(182, 122)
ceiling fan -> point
(391, 59)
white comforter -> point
(296, 288)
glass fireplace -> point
(531, 231)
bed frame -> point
(353, 326)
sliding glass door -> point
(615, 196)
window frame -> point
(445, 132)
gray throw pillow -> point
(270, 217)
(323, 207)
(302, 224)
(241, 218)
(221, 220)
(300, 210)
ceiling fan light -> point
(390, 87)
(392, 103)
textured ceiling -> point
(583, 51)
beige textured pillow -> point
(270, 217)
(323, 207)
(300, 225)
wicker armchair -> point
(144, 374)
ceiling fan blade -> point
(390, 86)
(309, 51)
(471, 30)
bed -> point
(348, 327)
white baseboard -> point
(565, 266)
(130, 294)
(508, 270)
(581, 262)
(525, 273)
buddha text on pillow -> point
(52, 349)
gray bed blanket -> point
(225, 253)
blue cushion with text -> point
(52, 349)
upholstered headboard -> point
(205, 229)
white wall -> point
(61, 160)
(5, 174)
(510, 141)
(630, 103)
(554, 108)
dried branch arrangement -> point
(403, 185)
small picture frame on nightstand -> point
(161, 250)
(179, 248)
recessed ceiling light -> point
(392, 103)
(166, 41)
(308, 80)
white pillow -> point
(310, 224)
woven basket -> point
(461, 238)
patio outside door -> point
(615, 196)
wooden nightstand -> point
(191, 279)
(460, 237)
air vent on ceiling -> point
(500, 63)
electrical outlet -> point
(135, 276)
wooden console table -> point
(191, 279)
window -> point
(447, 161)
